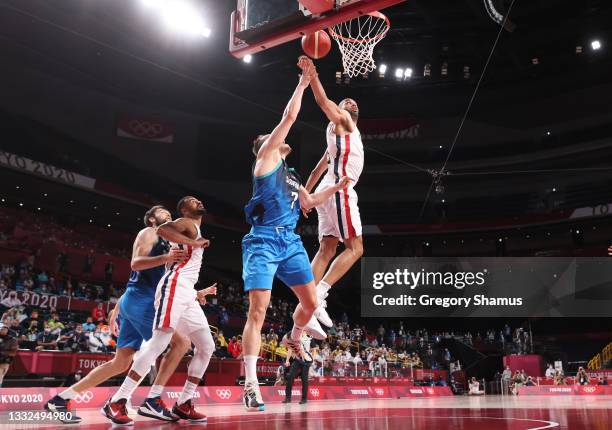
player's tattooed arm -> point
(141, 260)
(309, 201)
(178, 231)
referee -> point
(301, 366)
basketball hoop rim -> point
(379, 36)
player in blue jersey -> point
(272, 248)
(135, 312)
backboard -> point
(257, 25)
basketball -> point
(317, 44)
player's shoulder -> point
(146, 232)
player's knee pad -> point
(150, 350)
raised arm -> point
(280, 132)
(143, 244)
(316, 174)
(309, 201)
(332, 111)
(176, 231)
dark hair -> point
(259, 140)
(180, 204)
(151, 214)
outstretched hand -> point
(307, 66)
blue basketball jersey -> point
(275, 199)
(146, 280)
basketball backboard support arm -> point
(309, 24)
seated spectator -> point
(559, 379)
(75, 339)
(602, 381)
(581, 377)
(55, 324)
(11, 300)
(474, 387)
(94, 342)
(221, 339)
(89, 326)
(530, 382)
(99, 313)
(46, 340)
(550, 372)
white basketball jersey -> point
(189, 269)
(345, 155)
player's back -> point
(275, 200)
(345, 154)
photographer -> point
(8, 351)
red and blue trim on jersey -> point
(342, 197)
(168, 289)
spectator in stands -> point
(474, 387)
(582, 378)
(42, 277)
(11, 300)
(221, 339)
(550, 372)
(55, 324)
(89, 262)
(530, 382)
(33, 319)
(8, 351)
(46, 340)
(98, 313)
(559, 379)
(108, 270)
(62, 262)
(77, 340)
(602, 381)
(89, 326)
(94, 342)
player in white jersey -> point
(339, 219)
(176, 309)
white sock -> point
(322, 289)
(250, 368)
(187, 392)
(156, 391)
(296, 332)
(68, 394)
(126, 389)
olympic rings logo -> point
(589, 389)
(145, 128)
(224, 394)
(84, 397)
(315, 392)
(379, 391)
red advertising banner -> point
(34, 398)
(566, 390)
(389, 128)
(140, 128)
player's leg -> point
(129, 340)
(305, 371)
(326, 252)
(179, 346)
(153, 406)
(115, 408)
(295, 271)
(259, 264)
(259, 299)
(194, 322)
(353, 250)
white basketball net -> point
(357, 38)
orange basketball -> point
(317, 44)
